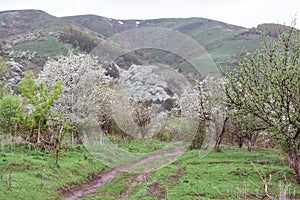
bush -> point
(166, 135)
(10, 107)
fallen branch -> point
(266, 182)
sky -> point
(246, 13)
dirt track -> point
(166, 155)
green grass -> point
(113, 190)
(32, 174)
(222, 41)
(117, 152)
(138, 145)
(230, 174)
(45, 46)
(224, 175)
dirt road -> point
(142, 167)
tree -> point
(10, 108)
(266, 85)
(4, 68)
(39, 101)
(204, 105)
(244, 128)
(85, 95)
(37, 122)
(142, 115)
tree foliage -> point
(267, 86)
(39, 101)
(78, 39)
(10, 109)
(4, 68)
(86, 93)
(204, 105)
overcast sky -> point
(247, 13)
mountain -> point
(17, 22)
(223, 41)
(31, 36)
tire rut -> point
(142, 165)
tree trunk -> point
(232, 140)
(39, 133)
(142, 131)
(57, 148)
(220, 137)
(240, 142)
(78, 138)
(294, 163)
(249, 145)
(72, 137)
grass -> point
(227, 174)
(230, 174)
(32, 174)
(138, 145)
(114, 190)
(94, 23)
(117, 152)
(48, 46)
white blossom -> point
(84, 85)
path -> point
(142, 166)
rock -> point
(15, 81)
(14, 76)
(15, 67)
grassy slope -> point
(26, 174)
(49, 46)
(228, 174)
(222, 41)
(30, 21)
(48, 32)
(93, 22)
(22, 22)
(219, 39)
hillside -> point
(87, 128)
(230, 174)
(31, 36)
(223, 41)
(18, 22)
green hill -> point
(31, 36)
(32, 31)
(222, 41)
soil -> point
(157, 191)
(86, 190)
(160, 192)
(180, 173)
(134, 181)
